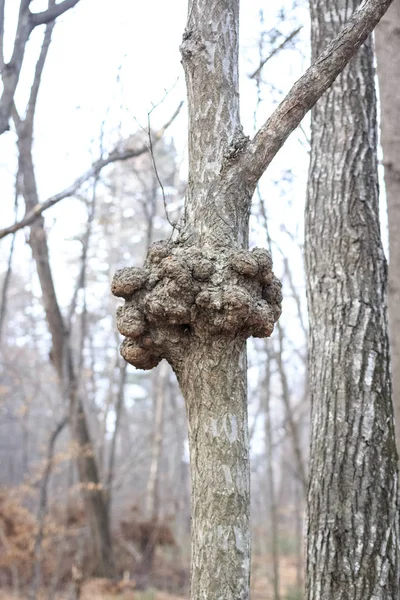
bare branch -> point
(52, 13)
(281, 46)
(2, 2)
(309, 88)
(114, 156)
(15, 116)
(7, 277)
(38, 72)
(153, 160)
(10, 72)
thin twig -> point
(308, 89)
(7, 277)
(39, 69)
(114, 156)
(281, 46)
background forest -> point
(98, 128)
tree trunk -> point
(213, 383)
(152, 502)
(200, 296)
(352, 531)
(293, 427)
(42, 512)
(113, 445)
(61, 357)
(273, 509)
(387, 38)
(159, 385)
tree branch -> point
(7, 278)
(2, 2)
(281, 46)
(42, 18)
(38, 72)
(114, 156)
(308, 89)
(10, 72)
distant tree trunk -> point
(113, 446)
(299, 510)
(387, 38)
(152, 502)
(160, 382)
(62, 360)
(273, 512)
(42, 513)
(353, 516)
(293, 427)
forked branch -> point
(309, 88)
(42, 18)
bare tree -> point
(61, 354)
(353, 518)
(199, 297)
(10, 72)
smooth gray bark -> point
(387, 43)
(353, 516)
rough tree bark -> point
(352, 532)
(387, 42)
(199, 297)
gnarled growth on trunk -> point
(185, 293)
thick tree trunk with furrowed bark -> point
(352, 536)
(387, 42)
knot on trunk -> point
(184, 292)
